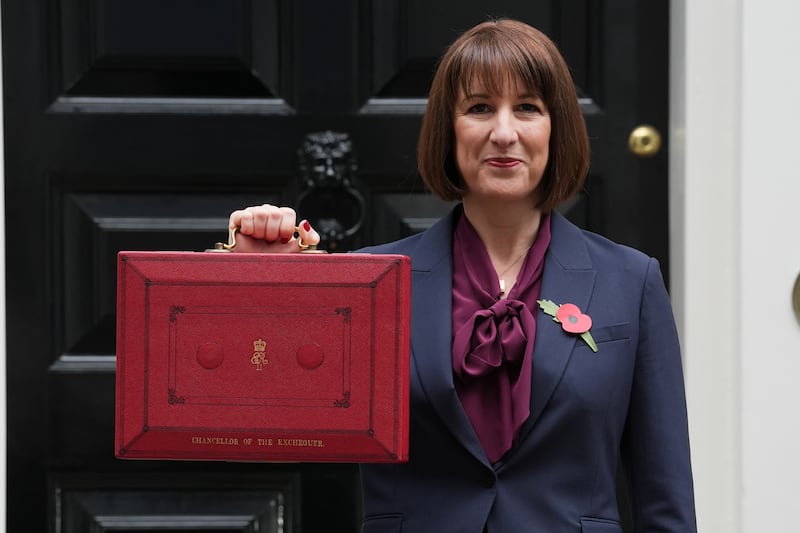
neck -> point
(507, 232)
(505, 229)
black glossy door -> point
(142, 124)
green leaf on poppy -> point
(549, 307)
(587, 338)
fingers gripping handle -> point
(228, 247)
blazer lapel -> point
(568, 278)
(431, 329)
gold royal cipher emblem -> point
(259, 354)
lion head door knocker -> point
(328, 191)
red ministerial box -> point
(262, 357)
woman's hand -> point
(269, 228)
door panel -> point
(140, 125)
(154, 502)
(166, 50)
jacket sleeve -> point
(655, 445)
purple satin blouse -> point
(493, 338)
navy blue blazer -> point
(588, 409)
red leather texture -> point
(262, 357)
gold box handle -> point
(228, 247)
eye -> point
(528, 108)
(478, 109)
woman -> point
(541, 353)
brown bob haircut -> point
(499, 54)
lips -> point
(502, 162)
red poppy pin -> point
(571, 320)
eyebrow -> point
(472, 96)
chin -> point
(506, 197)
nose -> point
(504, 131)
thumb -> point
(307, 235)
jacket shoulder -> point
(577, 248)
(403, 246)
(604, 249)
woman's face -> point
(502, 143)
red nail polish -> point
(306, 226)
(284, 240)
